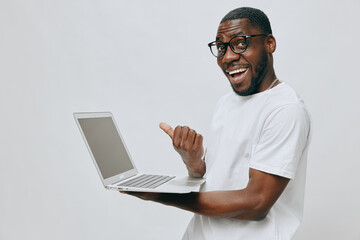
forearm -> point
(223, 204)
(251, 203)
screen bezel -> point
(115, 178)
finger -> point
(167, 129)
(190, 139)
(135, 194)
(184, 135)
(198, 141)
(177, 136)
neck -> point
(268, 80)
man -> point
(257, 147)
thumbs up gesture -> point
(189, 145)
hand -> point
(143, 195)
(189, 145)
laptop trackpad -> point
(187, 181)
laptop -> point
(114, 164)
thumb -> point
(167, 128)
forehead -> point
(234, 27)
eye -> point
(239, 43)
(220, 47)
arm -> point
(251, 203)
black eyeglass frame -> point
(231, 47)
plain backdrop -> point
(147, 62)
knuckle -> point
(183, 145)
(177, 132)
(195, 149)
(176, 143)
(185, 129)
(189, 147)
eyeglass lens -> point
(237, 44)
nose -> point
(230, 55)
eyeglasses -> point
(238, 44)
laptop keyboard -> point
(146, 181)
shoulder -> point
(284, 110)
(288, 116)
(284, 99)
(283, 94)
(286, 113)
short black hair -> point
(256, 17)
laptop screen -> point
(106, 145)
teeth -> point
(237, 71)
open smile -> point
(236, 76)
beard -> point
(257, 79)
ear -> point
(270, 43)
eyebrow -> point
(234, 35)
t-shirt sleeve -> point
(284, 137)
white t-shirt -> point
(268, 131)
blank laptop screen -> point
(106, 145)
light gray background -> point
(147, 61)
